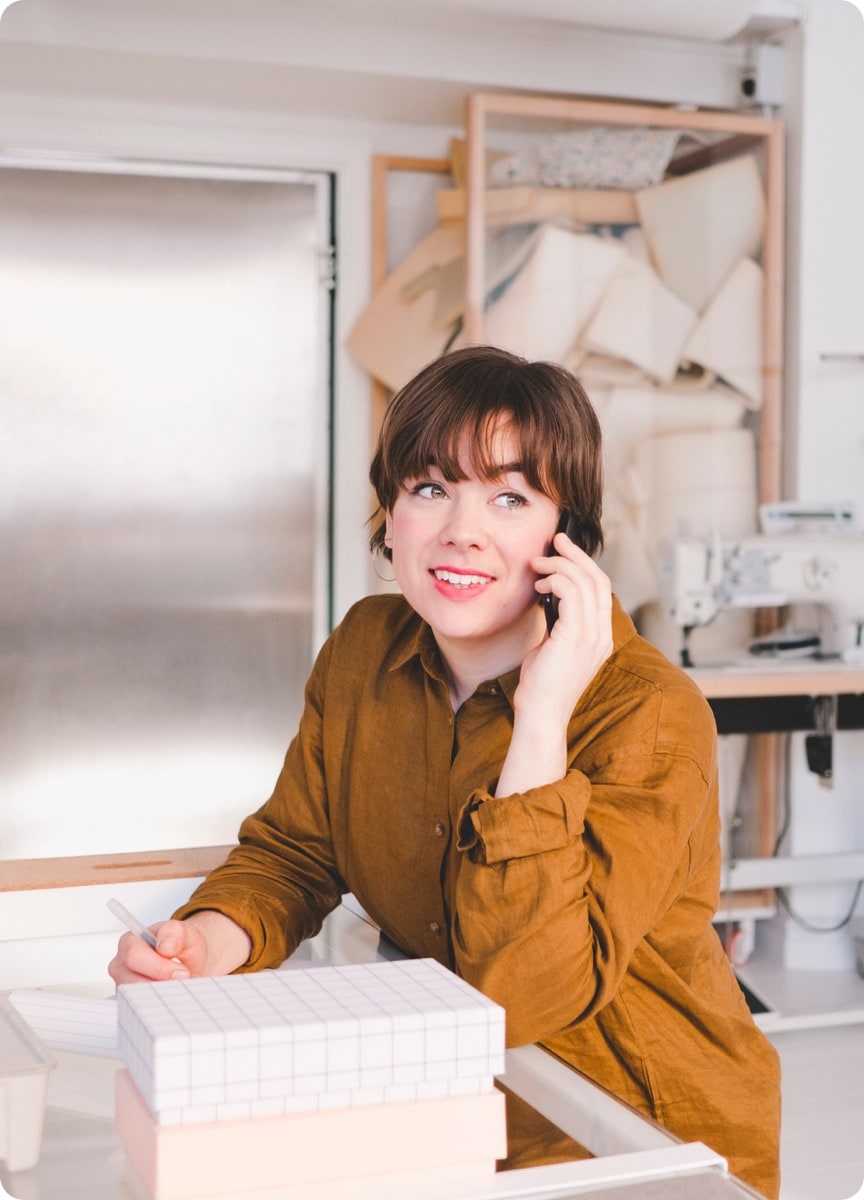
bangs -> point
(479, 424)
(472, 397)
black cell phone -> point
(569, 525)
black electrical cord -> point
(783, 898)
(783, 895)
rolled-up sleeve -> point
(557, 886)
(518, 826)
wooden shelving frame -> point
(732, 133)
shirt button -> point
(440, 829)
(435, 928)
(493, 689)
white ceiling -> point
(714, 20)
(408, 61)
(158, 24)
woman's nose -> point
(464, 525)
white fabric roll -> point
(695, 484)
(628, 417)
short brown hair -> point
(464, 392)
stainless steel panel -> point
(163, 418)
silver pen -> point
(122, 913)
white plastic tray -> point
(24, 1068)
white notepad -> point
(75, 1024)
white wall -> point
(826, 186)
(825, 425)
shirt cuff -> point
(261, 954)
(492, 830)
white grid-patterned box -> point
(275, 1042)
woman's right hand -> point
(206, 943)
(181, 951)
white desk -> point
(779, 677)
(82, 1158)
(775, 696)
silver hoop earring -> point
(383, 578)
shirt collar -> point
(418, 641)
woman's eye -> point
(428, 490)
(510, 500)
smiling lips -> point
(460, 579)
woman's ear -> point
(388, 530)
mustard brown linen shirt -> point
(584, 907)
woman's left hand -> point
(556, 673)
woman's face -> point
(462, 551)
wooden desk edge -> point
(28, 874)
(830, 680)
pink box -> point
(338, 1152)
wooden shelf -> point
(735, 133)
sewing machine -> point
(701, 576)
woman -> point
(535, 809)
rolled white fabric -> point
(695, 484)
(629, 416)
